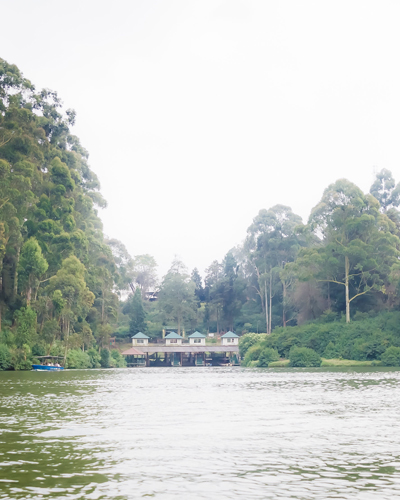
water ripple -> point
(200, 433)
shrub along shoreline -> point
(368, 341)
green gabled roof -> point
(229, 335)
(197, 335)
(140, 335)
(173, 335)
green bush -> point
(267, 356)
(105, 358)
(94, 356)
(303, 356)
(391, 357)
(5, 357)
(248, 340)
(330, 351)
(252, 354)
(38, 350)
(22, 358)
(7, 337)
(363, 340)
(78, 359)
(117, 361)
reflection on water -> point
(200, 433)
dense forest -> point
(64, 285)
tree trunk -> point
(102, 306)
(66, 342)
(329, 296)
(266, 307)
(270, 302)
(283, 304)
(179, 325)
(346, 284)
(15, 287)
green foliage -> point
(78, 359)
(304, 357)
(144, 272)
(116, 360)
(32, 265)
(176, 297)
(54, 258)
(252, 354)
(248, 340)
(5, 357)
(60, 277)
(94, 357)
(391, 357)
(137, 314)
(105, 358)
(363, 340)
(267, 356)
(26, 326)
(21, 358)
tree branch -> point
(361, 293)
(1, 206)
(333, 281)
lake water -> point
(200, 433)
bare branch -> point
(334, 281)
(361, 293)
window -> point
(173, 341)
(140, 341)
(197, 341)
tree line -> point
(63, 283)
(60, 277)
(342, 264)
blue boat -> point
(47, 368)
(52, 367)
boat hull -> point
(46, 368)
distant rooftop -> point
(229, 335)
(140, 335)
(173, 335)
(197, 335)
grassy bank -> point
(280, 363)
(348, 362)
(325, 363)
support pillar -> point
(181, 358)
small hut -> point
(173, 339)
(197, 338)
(230, 338)
(140, 339)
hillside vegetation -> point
(330, 285)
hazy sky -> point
(197, 114)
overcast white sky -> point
(197, 114)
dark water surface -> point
(200, 433)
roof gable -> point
(173, 335)
(229, 335)
(140, 335)
(197, 335)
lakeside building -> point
(192, 353)
(197, 338)
(173, 338)
(140, 339)
(230, 338)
